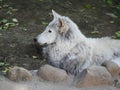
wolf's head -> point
(59, 28)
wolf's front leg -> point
(70, 65)
(77, 60)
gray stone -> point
(93, 76)
(112, 67)
(50, 73)
(19, 74)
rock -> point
(19, 74)
(93, 76)
(112, 67)
(51, 73)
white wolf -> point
(69, 49)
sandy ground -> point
(35, 84)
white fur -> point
(77, 50)
(117, 61)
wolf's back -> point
(106, 49)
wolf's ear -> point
(55, 14)
(62, 24)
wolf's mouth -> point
(45, 44)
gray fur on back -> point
(73, 52)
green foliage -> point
(117, 35)
(41, 0)
(5, 24)
(95, 31)
(2, 64)
(88, 6)
(44, 23)
(118, 7)
(24, 27)
(110, 2)
(7, 11)
(113, 3)
(4, 67)
(112, 15)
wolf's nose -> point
(35, 39)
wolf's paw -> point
(19, 74)
(50, 73)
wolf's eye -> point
(49, 31)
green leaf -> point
(34, 57)
(104, 0)
(4, 21)
(0, 28)
(10, 8)
(112, 15)
(24, 28)
(5, 70)
(88, 6)
(6, 64)
(0, 7)
(109, 1)
(41, 0)
(15, 20)
(9, 12)
(95, 32)
(5, 5)
(117, 35)
(14, 10)
(44, 23)
(118, 7)
(2, 63)
(114, 37)
(112, 22)
(12, 24)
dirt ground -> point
(16, 44)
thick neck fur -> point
(64, 43)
